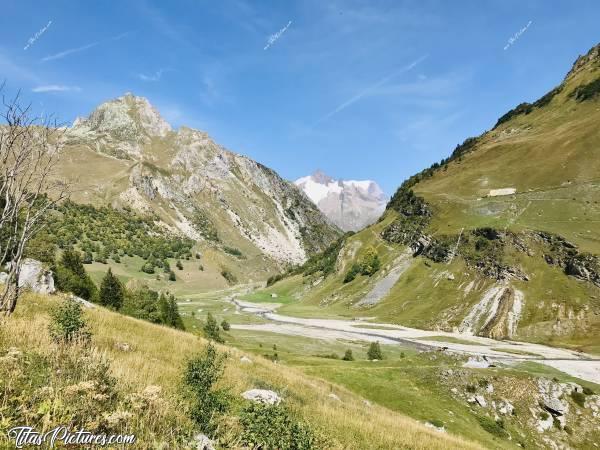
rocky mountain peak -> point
(350, 204)
(588, 61)
(321, 177)
(126, 117)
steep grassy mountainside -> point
(247, 221)
(500, 239)
(129, 380)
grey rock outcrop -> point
(33, 276)
(262, 396)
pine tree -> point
(168, 312)
(374, 351)
(225, 325)
(111, 291)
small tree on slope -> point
(111, 291)
(374, 351)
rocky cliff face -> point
(132, 157)
(350, 204)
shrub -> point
(70, 276)
(68, 324)
(231, 278)
(351, 274)
(201, 377)
(148, 268)
(232, 251)
(374, 351)
(588, 391)
(348, 356)
(111, 291)
(492, 427)
(275, 427)
(211, 329)
(370, 263)
(225, 325)
(172, 276)
(179, 265)
(436, 423)
(579, 398)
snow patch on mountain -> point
(350, 204)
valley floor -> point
(580, 365)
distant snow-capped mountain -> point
(350, 204)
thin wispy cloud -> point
(83, 48)
(156, 76)
(371, 89)
(55, 88)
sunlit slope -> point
(506, 231)
(154, 361)
(550, 156)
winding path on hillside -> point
(580, 365)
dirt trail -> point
(579, 365)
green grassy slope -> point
(137, 390)
(546, 151)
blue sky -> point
(360, 89)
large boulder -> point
(34, 276)
(262, 396)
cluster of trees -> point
(141, 302)
(104, 233)
(367, 265)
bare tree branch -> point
(29, 152)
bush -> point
(111, 291)
(370, 262)
(348, 356)
(588, 391)
(492, 427)
(201, 377)
(232, 251)
(68, 324)
(179, 265)
(144, 303)
(579, 398)
(275, 427)
(436, 423)
(70, 276)
(148, 268)
(172, 276)
(374, 351)
(225, 325)
(351, 274)
(211, 329)
(231, 278)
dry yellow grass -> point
(158, 354)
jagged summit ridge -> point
(350, 204)
(123, 114)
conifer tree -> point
(111, 291)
